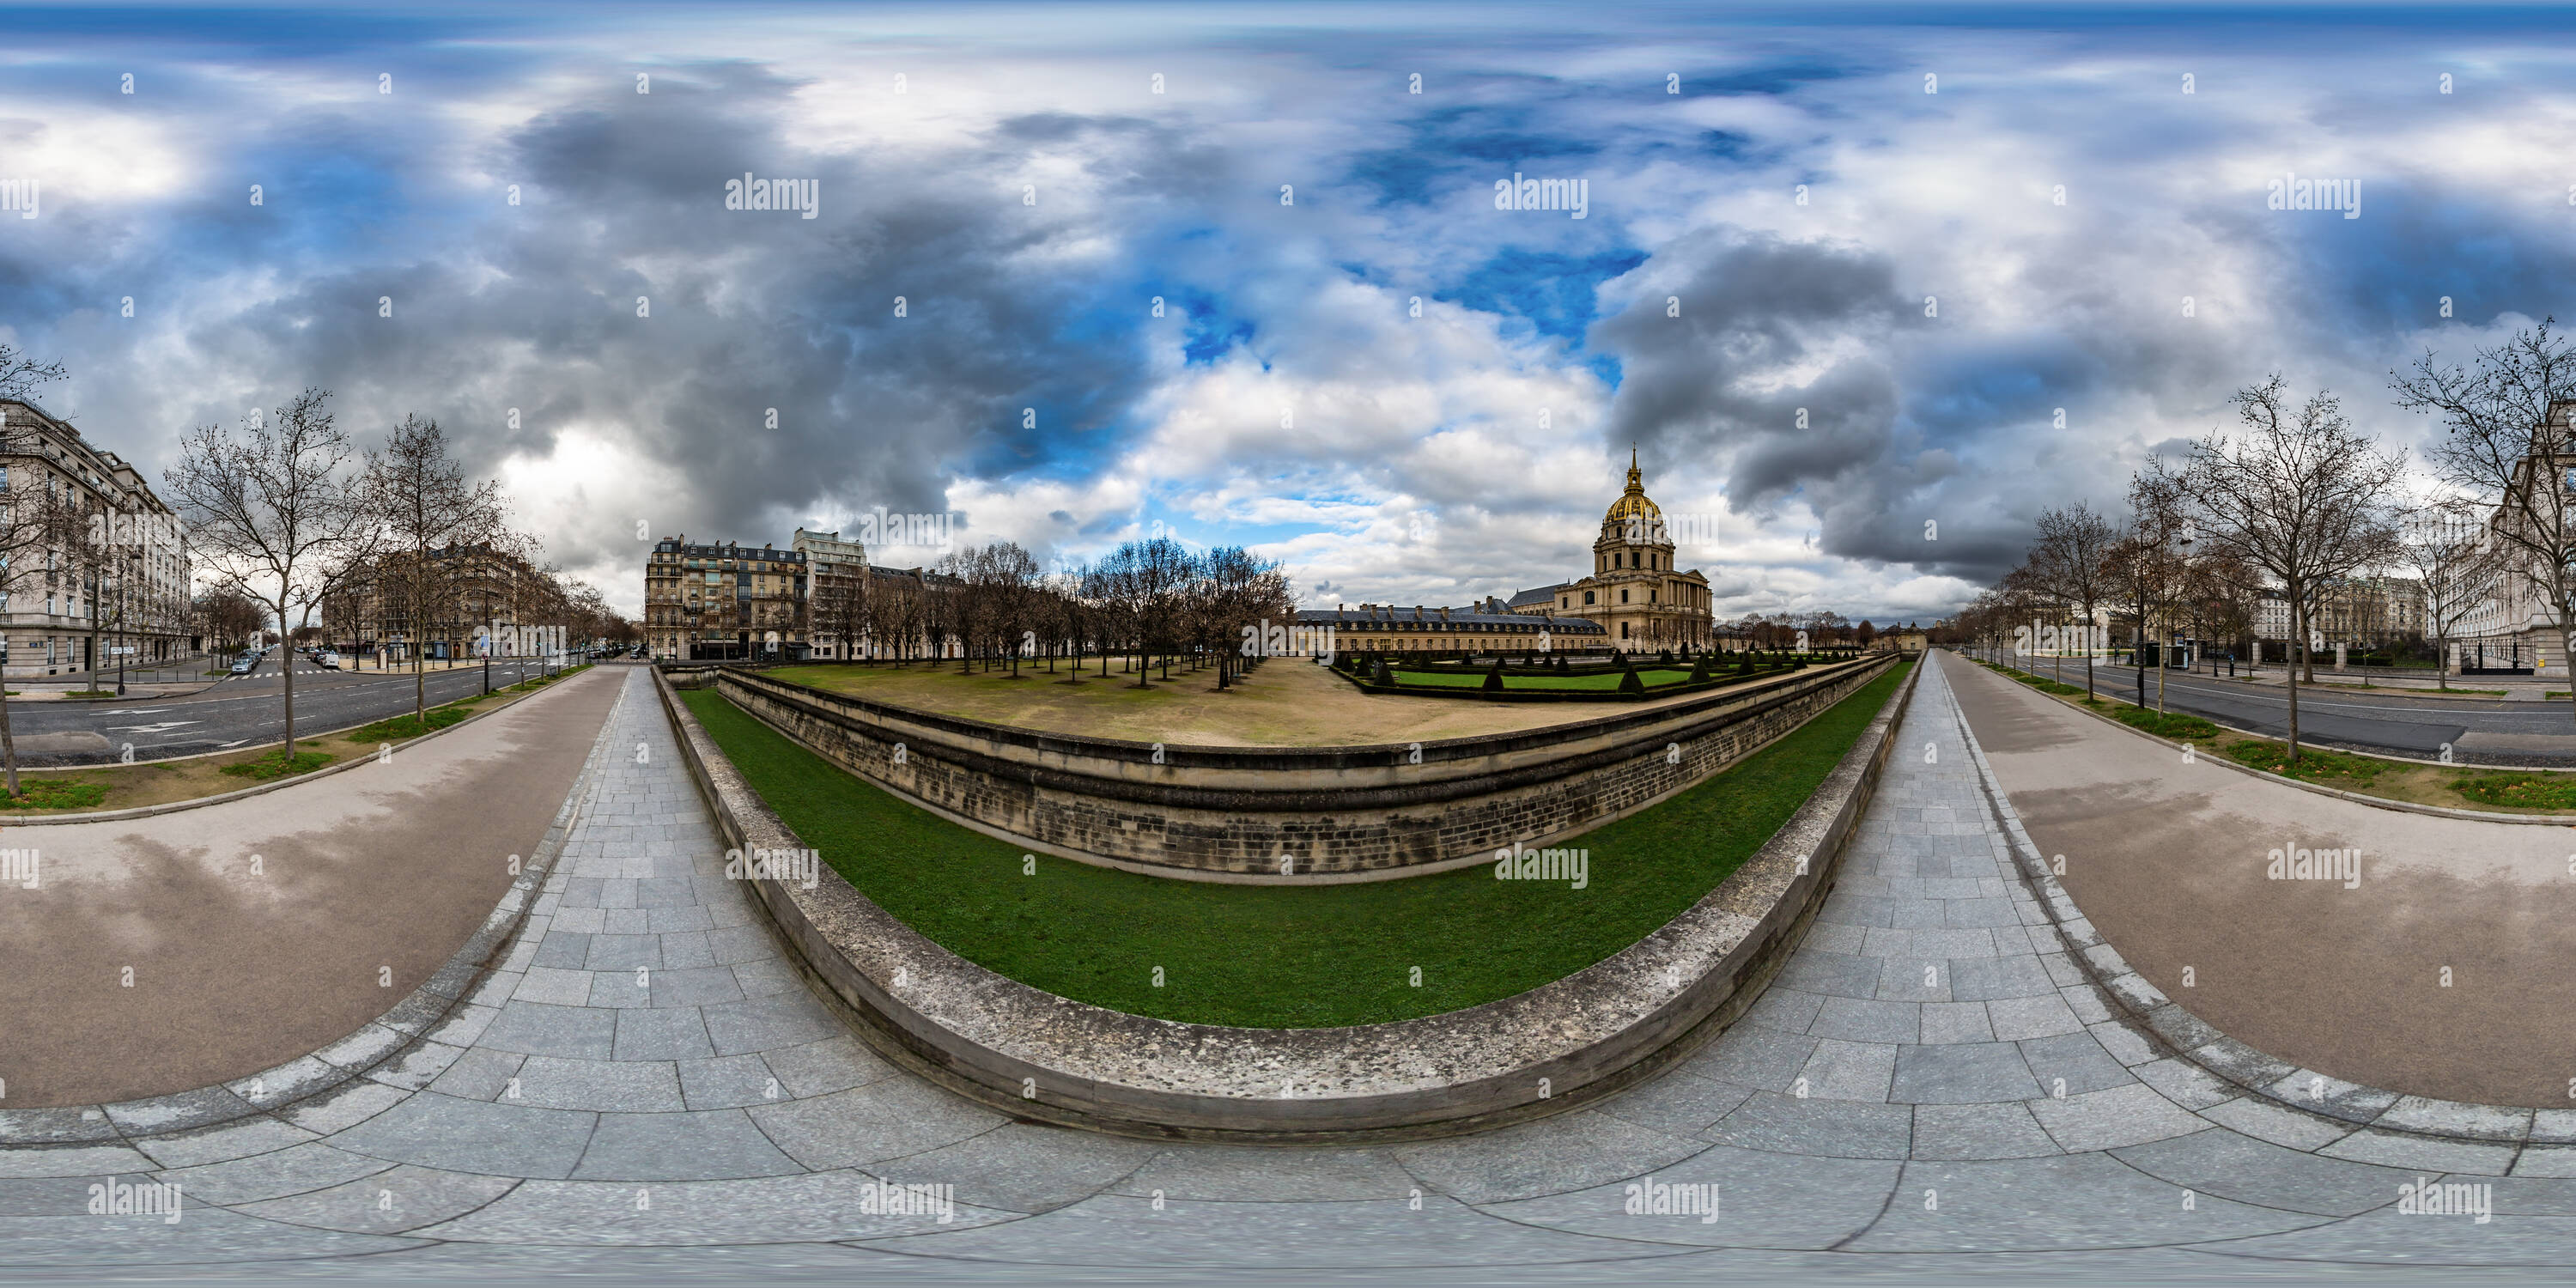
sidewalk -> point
(1929, 1087)
(259, 929)
(2170, 861)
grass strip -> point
(274, 765)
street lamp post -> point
(490, 628)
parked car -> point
(327, 660)
(245, 665)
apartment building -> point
(837, 581)
(725, 601)
(117, 578)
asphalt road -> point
(238, 711)
(2474, 730)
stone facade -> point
(1293, 815)
(61, 612)
(724, 601)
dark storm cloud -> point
(1753, 309)
(1770, 330)
(534, 307)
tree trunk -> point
(2088, 651)
(2299, 649)
(8, 742)
(287, 665)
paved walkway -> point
(2435, 966)
(1929, 1086)
(162, 954)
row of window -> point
(1653, 596)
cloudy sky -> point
(1864, 295)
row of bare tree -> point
(286, 511)
(2300, 505)
(283, 514)
(1157, 601)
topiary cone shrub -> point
(1494, 677)
(1628, 681)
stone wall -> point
(1032, 1054)
(1293, 814)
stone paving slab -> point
(1932, 1034)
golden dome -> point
(1633, 503)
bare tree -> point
(2510, 438)
(2069, 563)
(432, 524)
(2445, 541)
(837, 611)
(2220, 595)
(1246, 594)
(228, 615)
(1007, 576)
(25, 525)
(2151, 564)
(2299, 493)
(276, 512)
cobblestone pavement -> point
(1928, 1087)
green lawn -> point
(1284, 956)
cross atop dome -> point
(1633, 502)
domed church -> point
(1634, 592)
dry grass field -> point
(1286, 703)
